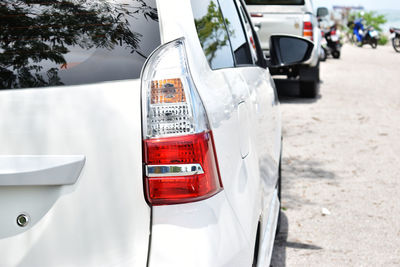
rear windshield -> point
(275, 2)
(70, 42)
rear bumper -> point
(205, 233)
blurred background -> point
(381, 14)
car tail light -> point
(391, 30)
(256, 15)
(308, 30)
(178, 147)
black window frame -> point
(245, 34)
(261, 60)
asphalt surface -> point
(341, 165)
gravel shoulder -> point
(341, 165)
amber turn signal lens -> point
(167, 91)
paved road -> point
(342, 153)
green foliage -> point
(374, 20)
(383, 39)
(371, 19)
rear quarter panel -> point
(221, 230)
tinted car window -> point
(58, 42)
(212, 33)
(275, 2)
(236, 33)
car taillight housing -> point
(180, 169)
(178, 146)
(308, 30)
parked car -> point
(294, 17)
(138, 133)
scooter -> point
(395, 36)
(331, 44)
(369, 36)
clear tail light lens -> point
(178, 146)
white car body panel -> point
(268, 231)
(275, 23)
(102, 219)
(84, 224)
(203, 233)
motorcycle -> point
(331, 43)
(395, 36)
(369, 36)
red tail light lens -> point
(308, 25)
(166, 157)
(308, 30)
(391, 30)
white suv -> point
(295, 17)
(137, 133)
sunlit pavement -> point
(341, 158)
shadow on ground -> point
(289, 92)
(281, 243)
(296, 170)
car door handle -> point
(40, 170)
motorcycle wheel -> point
(374, 43)
(396, 44)
(336, 54)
